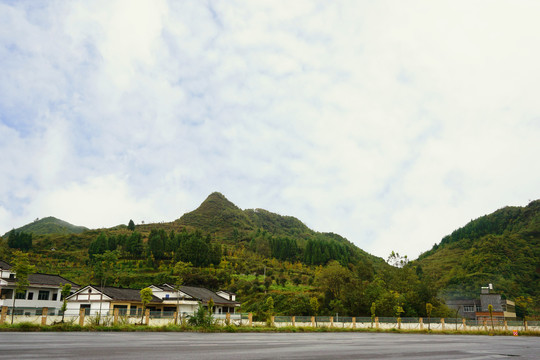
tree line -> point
(192, 247)
(20, 240)
(316, 251)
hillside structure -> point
(44, 291)
(478, 309)
(165, 300)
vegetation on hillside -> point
(502, 248)
(50, 225)
(19, 240)
(267, 258)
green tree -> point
(180, 269)
(211, 307)
(397, 260)
(66, 290)
(523, 306)
(112, 243)
(134, 245)
(103, 266)
(333, 278)
(20, 240)
(159, 244)
(98, 246)
(22, 269)
(387, 302)
(269, 310)
(429, 308)
(372, 309)
(399, 311)
(314, 305)
(197, 250)
(490, 309)
(336, 306)
(131, 225)
(146, 297)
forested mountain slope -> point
(259, 254)
(255, 253)
(271, 235)
(50, 225)
(502, 248)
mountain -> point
(50, 225)
(502, 248)
(216, 214)
(268, 234)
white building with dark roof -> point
(165, 300)
(44, 291)
(103, 300)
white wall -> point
(35, 302)
(74, 307)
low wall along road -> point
(151, 318)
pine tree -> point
(131, 225)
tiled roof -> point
(124, 294)
(4, 265)
(205, 295)
(47, 279)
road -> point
(101, 345)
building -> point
(165, 300)
(478, 309)
(190, 297)
(103, 300)
(44, 291)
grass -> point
(68, 327)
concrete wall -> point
(238, 319)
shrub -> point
(201, 318)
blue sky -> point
(391, 123)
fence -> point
(45, 316)
(388, 323)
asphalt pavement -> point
(239, 346)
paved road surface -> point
(263, 346)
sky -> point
(391, 123)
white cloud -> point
(102, 201)
(391, 123)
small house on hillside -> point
(165, 299)
(44, 291)
(478, 309)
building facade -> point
(478, 309)
(44, 291)
(166, 299)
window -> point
(86, 308)
(6, 294)
(468, 308)
(54, 296)
(43, 295)
(122, 309)
(30, 295)
(20, 295)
